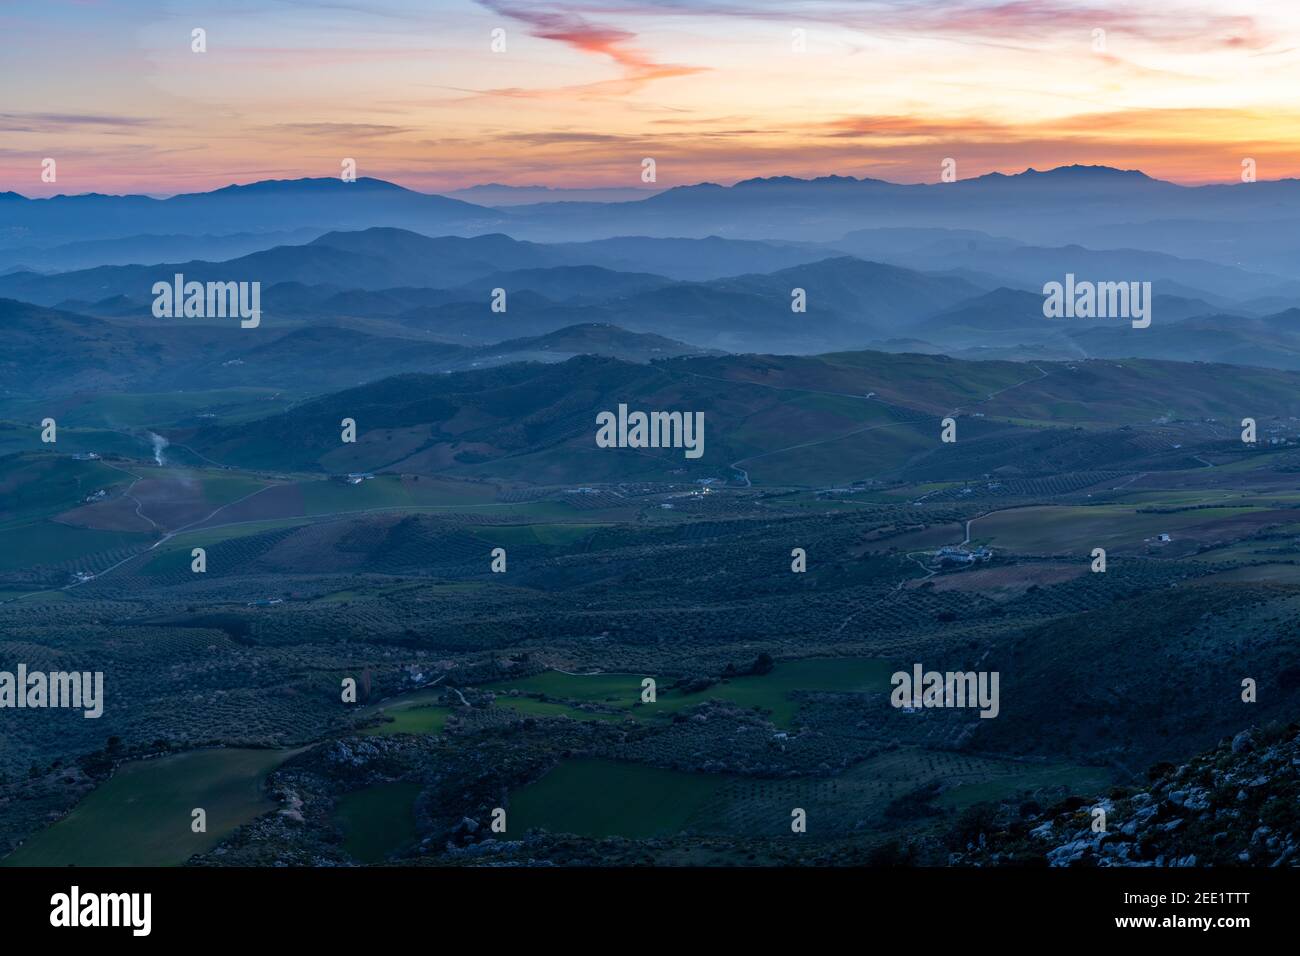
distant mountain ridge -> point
(1097, 206)
(269, 205)
(398, 283)
(847, 300)
(56, 352)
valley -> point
(771, 687)
(392, 560)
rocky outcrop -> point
(1237, 805)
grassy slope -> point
(141, 817)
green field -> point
(35, 488)
(1058, 530)
(219, 487)
(1246, 551)
(26, 437)
(1011, 778)
(841, 456)
(769, 691)
(40, 486)
(861, 797)
(1263, 573)
(622, 694)
(142, 815)
(378, 820)
(546, 708)
(411, 718)
(391, 491)
(595, 797)
(206, 537)
(48, 542)
(142, 409)
(599, 798)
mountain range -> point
(1248, 226)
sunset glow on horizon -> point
(713, 90)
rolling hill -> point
(53, 352)
(801, 420)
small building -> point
(954, 555)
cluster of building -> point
(957, 554)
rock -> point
(1243, 742)
(1067, 854)
(1143, 814)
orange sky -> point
(714, 90)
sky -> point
(584, 91)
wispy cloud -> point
(711, 88)
(553, 22)
(333, 131)
(61, 122)
(1199, 22)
